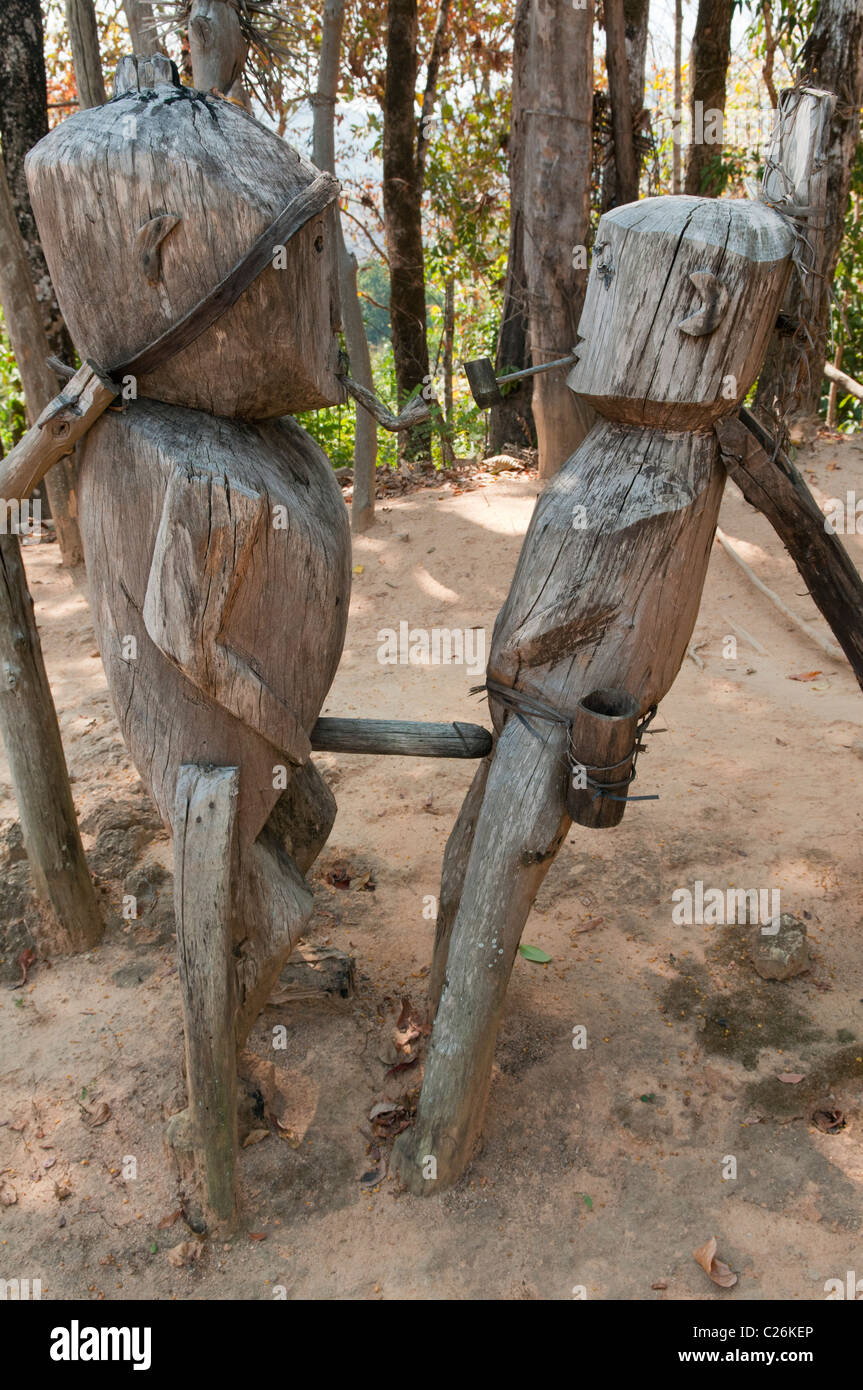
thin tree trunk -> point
(832, 58)
(86, 58)
(23, 122)
(40, 779)
(711, 53)
(142, 30)
(556, 209)
(677, 129)
(324, 155)
(403, 212)
(511, 422)
(620, 95)
(448, 343)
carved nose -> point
(715, 302)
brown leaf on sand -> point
(24, 961)
(829, 1121)
(805, 676)
(255, 1136)
(186, 1253)
(93, 1118)
(660, 1284)
(590, 925)
(715, 1269)
(410, 1025)
(257, 1235)
(169, 1220)
(402, 1066)
(790, 1077)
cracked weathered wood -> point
(64, 421)
(204, 847)
(100, 175)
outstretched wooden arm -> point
(774, 486)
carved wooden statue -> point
(216, 538)
(682, 295)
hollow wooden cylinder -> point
(603, 742)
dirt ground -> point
(602, 1167)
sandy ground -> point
(602, 1167)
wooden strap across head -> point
(306, 205)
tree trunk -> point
(86, 58)
(142, 30)
(832, 58)
(620, 95)
(403, 212)
(23, 121)
(711, 52)
(556, 211)
(324, 155)
(40, 779)
(512, 421)
(676, 131)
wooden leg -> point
(521, 825)
(204, 870)
(455, 862)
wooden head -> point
(145, 204)
(681, 298)
(683, 293)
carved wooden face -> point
(681, 298)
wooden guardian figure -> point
(683, 294)
(193, 254)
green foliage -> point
(846, 317)
(13, 419)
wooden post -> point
(40, 778)
(204, 847)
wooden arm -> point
(62, 423)
(776, 489)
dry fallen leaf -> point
(255, 1136)
(715, 1269)
(257, 1235)
(169, 1220)
(660, 1284)
(805, 676)
(402, 1066)
(829, 1121)
(25, 960)
(791, 1077)
(590, 925)
(93, 1118)
(186, 1253)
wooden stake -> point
(40, 779)
(204, 825)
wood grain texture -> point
(402, 737)
(776, 488)
(514, 844)
(101, 175)
(64, 421)
(204, 848)
(640, 367)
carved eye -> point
(319, 244)
(715, 301)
